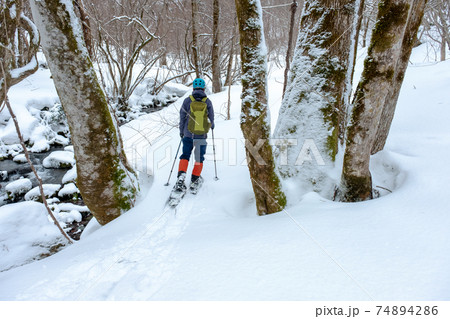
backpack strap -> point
(193, 98)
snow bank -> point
(25, 234)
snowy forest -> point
(324, 168)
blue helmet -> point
(198, 84)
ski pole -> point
(214, 151)
(174, 160)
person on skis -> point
(196, 117)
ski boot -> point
(196, 183)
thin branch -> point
(159, 87)
(27, 155)
(277, 6)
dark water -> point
(18, 170)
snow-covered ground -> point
(214, 247)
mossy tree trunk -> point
(215, 58)
(379, 72)
(18, 58)
(255, 123)
(315, 103)
(108, 185)
(409, 39)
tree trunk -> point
(444, 27)
(373, 89)
(315, 102)
(216, 85)
(294, 7)
(195, 50)
(255, 121)
(409, 40)
(228, 78)
(106, 182)
(443, 48)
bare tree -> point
(215, 59)
(437, 22)
(231, 54)
(121, 63)
(369, 16)
(195, 46)
(126, 44)
(294, 6)
(107, 183)
(255, 122)
(18, 57)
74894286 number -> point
(404, 310)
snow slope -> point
(214, 247)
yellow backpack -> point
(198, 123)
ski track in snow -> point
(137, 270)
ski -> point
(179, 191)
(175, 197)
(195, 186)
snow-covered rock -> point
(70, 176)
(61, 140)
(49, 191)
(67, 207)
(59, 159)
(9, 150)
(70, 217)
(69, 148)
(20, 158)
(68, 190)
(40, 146)
(68, 213)
(3, 175)
(18, 187)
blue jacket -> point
(186, 109)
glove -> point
(212, 126)
(181, 135)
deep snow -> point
(214, 247)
